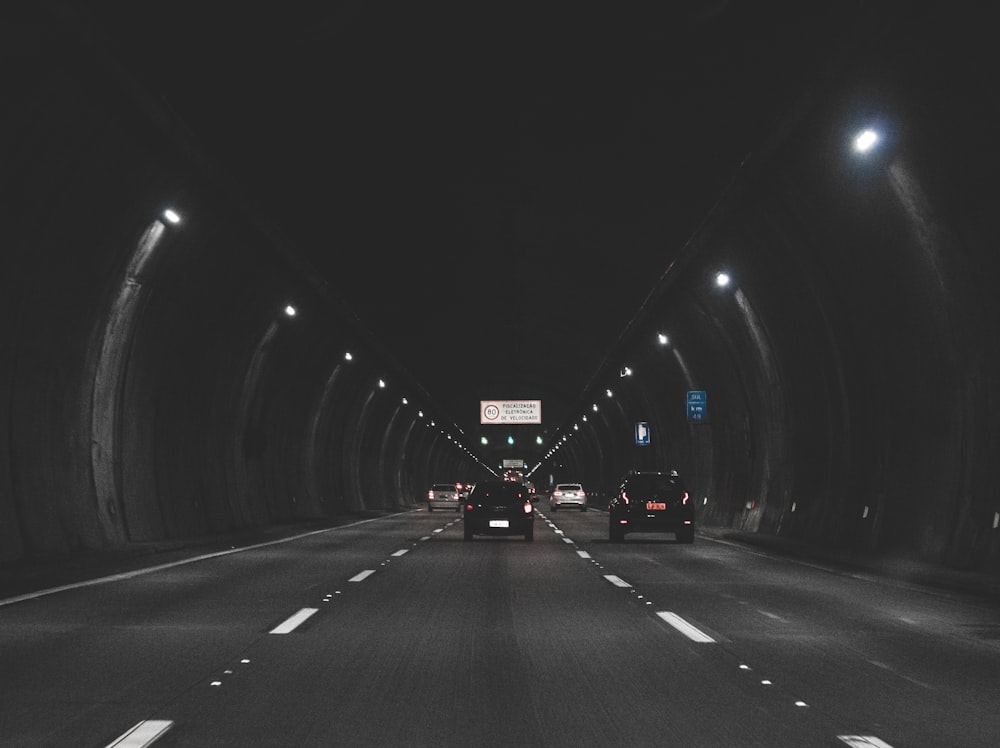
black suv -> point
(499, 508)
(651, 502)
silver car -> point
(568, 495)
(444, 496)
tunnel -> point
(173, 369)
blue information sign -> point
(642, 434)
(697, 405)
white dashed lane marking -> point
(294, 622)
(142, 734)
(691, 632)
(616, 580)
(362, 576)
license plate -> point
(499, 523)
(654, 505)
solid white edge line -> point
(691, 632)
(616, 580)
(142, 734)
(294, 621)
(361, 576)
(172, 564)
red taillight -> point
(468, 507)
(527, 507)
(624, 497)
(685, 499)
(581, 493)
(430, 494)
(557, 493)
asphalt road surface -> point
(396, 632)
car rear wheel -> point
(615, 533)
(583, 508)
(468, 533)
(530, 535)
(430, 508)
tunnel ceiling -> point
(493, 191)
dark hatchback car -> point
(499, 508)
(651, 502)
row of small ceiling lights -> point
(862, 143)
(173, 217)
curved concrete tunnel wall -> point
(852, 364)
(153, 385)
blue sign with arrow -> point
(642, 434)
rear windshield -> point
(444, 487)
(654, 483)
(569, 487)
(506, 490)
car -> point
(464, 489)
(650, 501)
(568, 494)
(499, 508)
(444, 496)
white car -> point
(444, 496)
(568, 494)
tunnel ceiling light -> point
(290, 311)
(722, 280)
(381, 384)
(609, 393)
(625, 372)
(663, 339)
(420, 414)
(348, 356)
(594, 407)
(865, 140)
(172, 216)
(405, 401)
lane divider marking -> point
(142, 734)
(691, 632)
(863, 741)
(568, 540)
(583, 554)
(362, 576)
(616, 580)
(294, 622)
(402, 552)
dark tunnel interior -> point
(173, 366)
